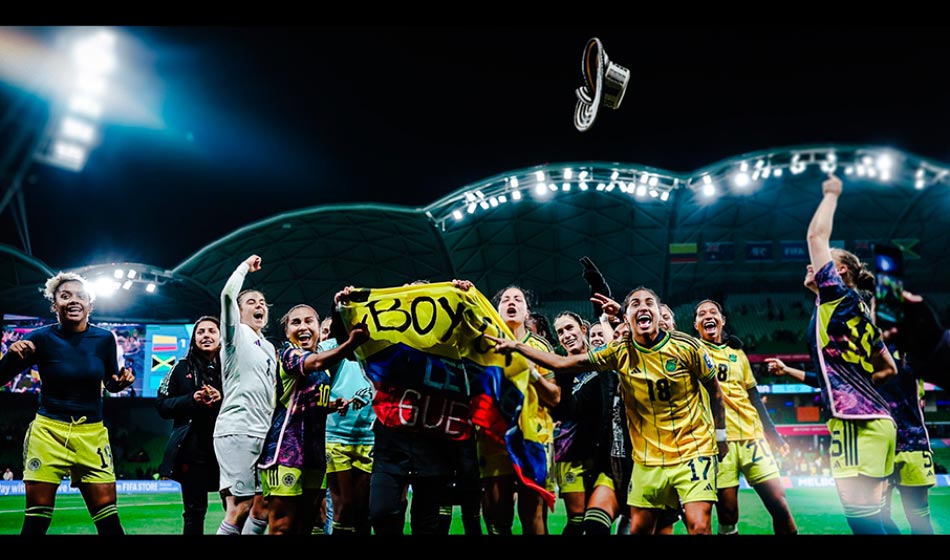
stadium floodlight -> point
(741, 179)
(502, 199)
(568, 173)
(513, 182)
(471, 208)
(641, 190)
(565, 186)
(85, 106)
(539, 175)
(150, 288)
(118, 274)
(583, 175)
(552, 187)
(601, 186)
(457, 215)
(67, 155)
(664, 196)
(709, 189)
(540, 189)
(93, 54)
(131, 274)
(127, 284)
(76, 129)
(516, 195)
(493, 201)
(583, 186)
(104, 286)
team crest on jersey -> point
(671, 364)
(33, 464)
(733, 358)
(288, 480)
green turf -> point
(817, 512)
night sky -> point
(250, 122)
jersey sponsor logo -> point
(671, 364)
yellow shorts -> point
(493, 461)
(570, 475)
(288, 481)
(668, 486)
(751, 457)
(862, 447)
(604, 479)
(345, 456)
(914, 468)
(53, 449)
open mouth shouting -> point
(74, 311)
(711, 327)
(305, 338)
(644, 320)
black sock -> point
(597, 522)
(107, 521)
(36, 520)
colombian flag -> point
(426, 341)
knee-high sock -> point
(596, 522)
(36, 520)
(254, 526)
(107, 520)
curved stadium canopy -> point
(737, 225)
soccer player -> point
(294, 460)
(747, 423)
(852, 359)
(676, 438)
(500, 481)
(349, 441)
(67, 436)
(249, 379)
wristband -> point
(720, 434)
(535, 376)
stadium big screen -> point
(150, 350)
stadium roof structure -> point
(736, 225)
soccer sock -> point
(226, 528)
(596, 522)
(36, 520)
(864, 520)
(339, 528)
(890, 527)
(318, 530)
(575, 525)
(107, 521)
(255, 526)
(919, 520)
(728, 529)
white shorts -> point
(238, 455)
